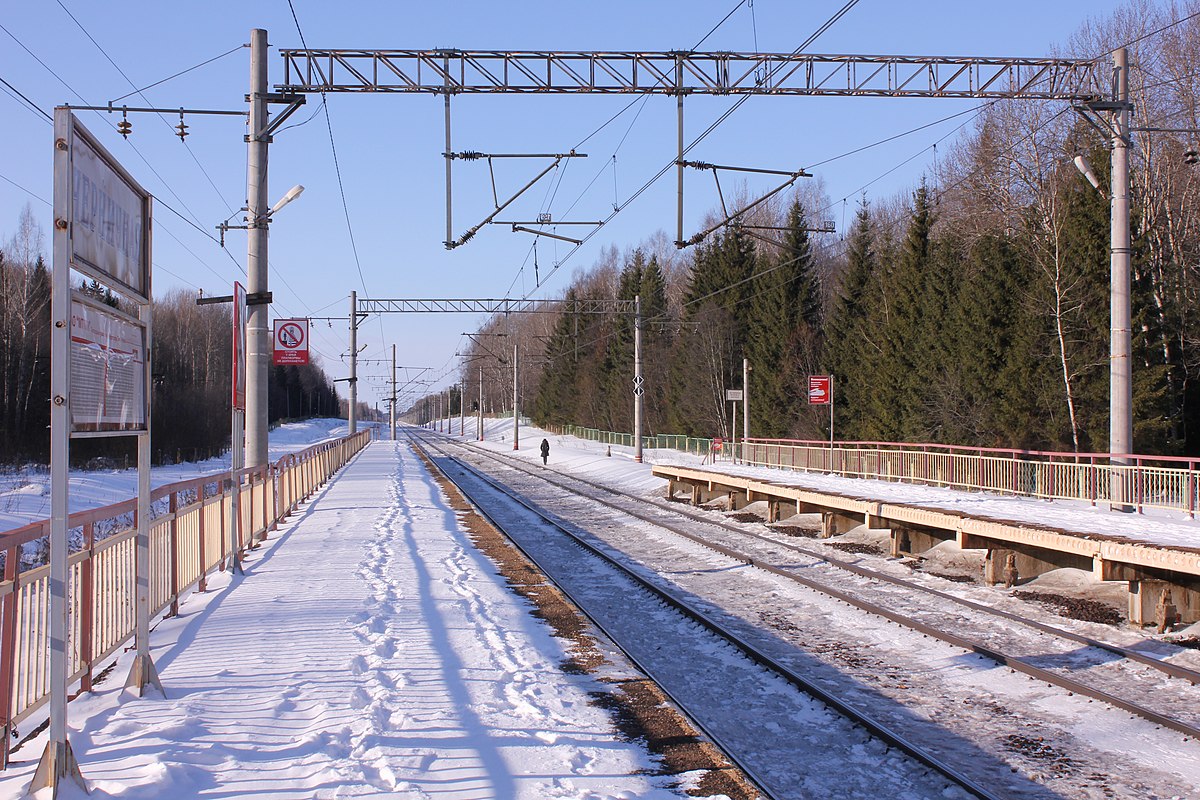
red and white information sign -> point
(291, 342)
(239, 346)
(819, 393)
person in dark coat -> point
(545, 450)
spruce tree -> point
(851, 342)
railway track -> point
(1155, 690)
(470, 481)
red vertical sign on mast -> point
(239, 346)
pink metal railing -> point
(1146, 481)
(188, 540)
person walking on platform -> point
(545, 450)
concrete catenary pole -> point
(393, 393)
(516, 403)
(638, 389)
(1120, 436)
(258, 340)
(480, 431)
(462, 411)
(353, 414)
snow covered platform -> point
(1152, 553)
(370, 650)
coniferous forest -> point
(191, 358)
(973, 309)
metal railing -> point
(1165, 482)
(189, 538)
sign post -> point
(99, 384)
(820, 393)
(734, 396)
(237, 427)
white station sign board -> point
(103, 215)
(110, 218)
(108, 369)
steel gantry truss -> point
(1096, 88)
(506, 305)
(503, 305)
(679, 72)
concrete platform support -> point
(1146, 596)
(772, 511)
(907, 540)
(1001, 567)
(834, 523)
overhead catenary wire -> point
(31, 105)
(92, 39)
(177, 74)
(712, 127)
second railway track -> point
(1120, 678)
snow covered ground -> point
(25, 493)
(371, 651)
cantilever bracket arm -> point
(466, 237)
(736, 215)
(1097, 116)
(547, 234)
(293, 104)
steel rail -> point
(1166, 667)
(855, 715)
(1012, 662)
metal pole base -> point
(58, 762)
(143, 674)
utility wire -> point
(812, 38)
(32, 105)
(170, 127)
(177, 74)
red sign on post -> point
(818, 390)
(239, 346)
(291, 342)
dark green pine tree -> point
(617, 368)
(851, 342)
(656, 345)
(988, 350)
(785, 311)
(1084, 247)
(553, 403)
(712, 338)
(895, 406)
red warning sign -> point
(819, 393)
(291, 342)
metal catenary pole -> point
(638, 389)
(352, 417)
(258, 343)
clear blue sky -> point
(389, 147)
